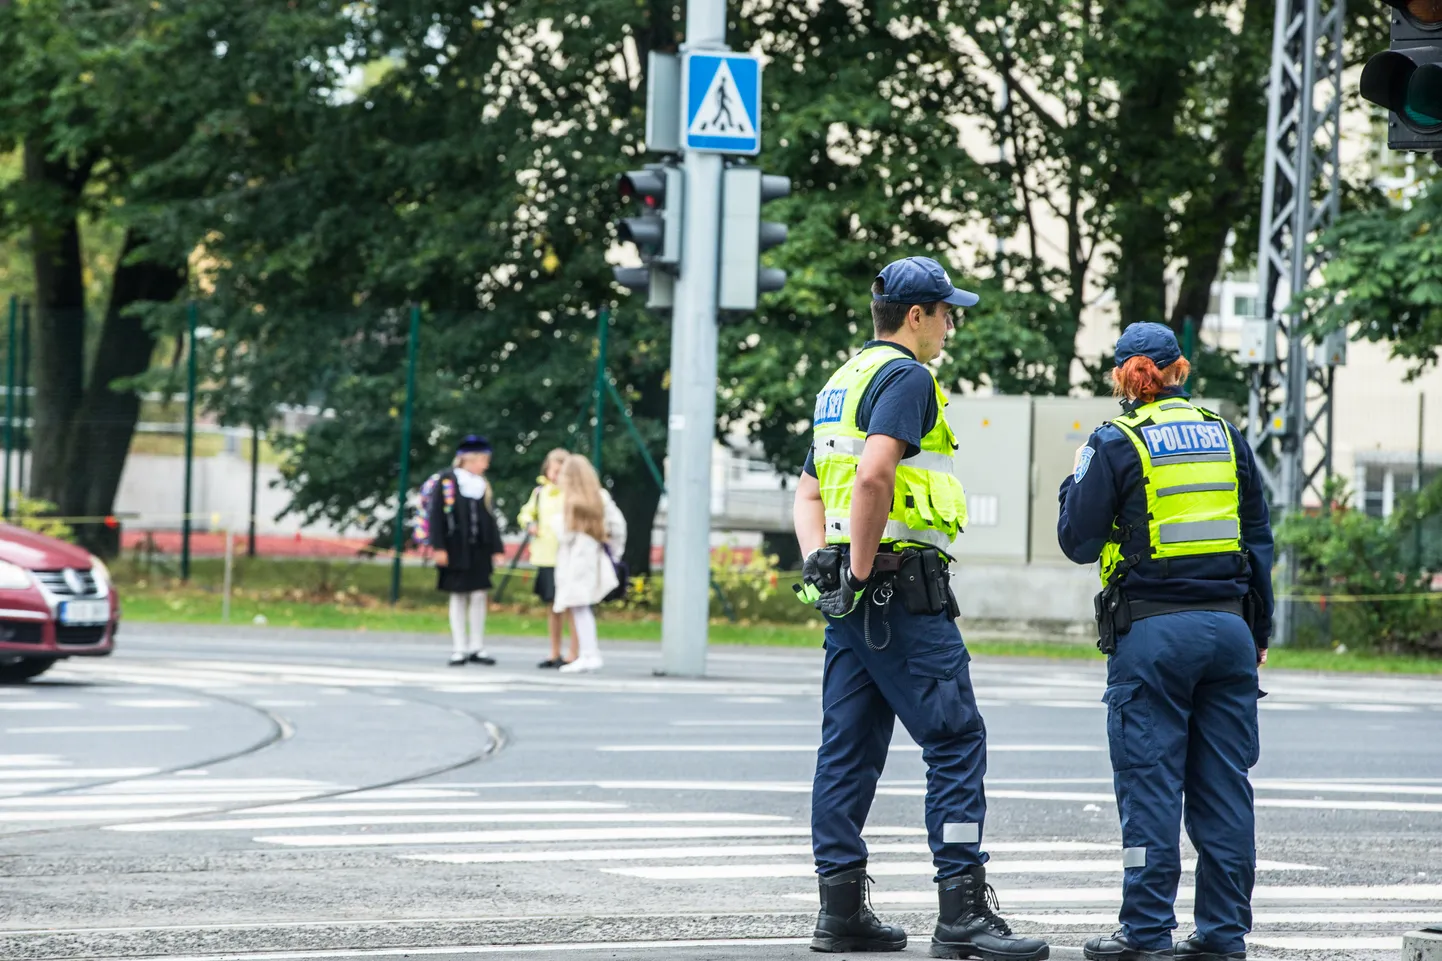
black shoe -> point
(846, 922)
(479, 658)
(1118, 948)
(969, 927)
(458, 660)
(550, 662)
(1194, 949)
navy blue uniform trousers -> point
(920, 676)
(1182, 728)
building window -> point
(1244, 307)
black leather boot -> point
(846, 922)
(1193, 949)
(1118, 948)
(969, 927)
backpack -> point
(422, 525)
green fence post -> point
(10, 401)
(603, 324)
(191, 315)
(23, 447)
(406, 422)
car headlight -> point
(99, 571)
(13, 577)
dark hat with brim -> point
(473, 444)
(1145, 339)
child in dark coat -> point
(467, 543)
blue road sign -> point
(721, 94)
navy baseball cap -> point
(920, 280)
(473, 444)
(1148, 340)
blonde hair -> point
(584, 510)
(556, 457)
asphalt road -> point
(243, 793)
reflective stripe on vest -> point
(1189, 473)
(853, 446)
(928, 504)
(894, 531)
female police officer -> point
(1168, 497)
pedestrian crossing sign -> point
(722, 98)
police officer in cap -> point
(1168, 497)
(877, 509)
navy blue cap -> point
(1148, 340)
(473, 444)
(920, 280)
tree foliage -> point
(1383, 278)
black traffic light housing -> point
(1407, 79)
(656, 232)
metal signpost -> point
(700, 235)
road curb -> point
(95, 944)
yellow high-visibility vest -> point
(929, 505)
(1189, 469)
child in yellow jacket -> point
(541, 516)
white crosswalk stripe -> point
(662, 832)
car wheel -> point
(17, 670)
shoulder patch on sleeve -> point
(1086, 460)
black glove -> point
(843, 600)
(828, 584)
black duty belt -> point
(1141, 609)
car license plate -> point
(78, 613)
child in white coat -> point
(593, 533)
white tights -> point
(584, 620)
(473, 603)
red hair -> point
(1140, 378)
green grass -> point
(194, 606)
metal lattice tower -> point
(1291, 392)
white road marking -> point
(141, 800)
(717, 872)
(1417, 807)
(1341, 943)
(158, 702)
(762, 724)
(274, 824)
(99, 729)
(1377, 708)
(344, 807)
(1112, 895)
(30, 760)
(38, 706)
(811, 748)
(284, 703)
(1336, 787)
(74, 774)
(14, 817)
(578, 946)
(725, 851)
(1184, 919)
(557, 835)
(524, 701)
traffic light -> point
(656, 232)
(1407, 79)
(744, 235)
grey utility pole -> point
(1289, 421)
(686, 596)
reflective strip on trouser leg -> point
(1134, 857)
(953, 833)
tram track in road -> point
(281, 729)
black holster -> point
(923, 581)
(1253, 611)
(1113, 616)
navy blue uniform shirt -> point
(1108, 486)
(899, 402)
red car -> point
(56, 601)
